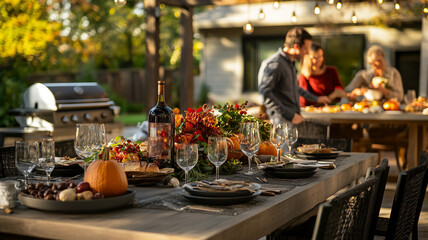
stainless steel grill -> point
(58, 107)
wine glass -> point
(187, 157)
(292, 135)
(99, 136)
(47, 156)
(410, 96)
(87, 140)
(278, 136)
(217, 152)
(249, 141)
(26, 157)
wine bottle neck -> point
(161, 92)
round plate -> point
(190, 188)
(331, 155)
(290, 174)
(148, 178)
(63, 171)
(78, 206)
(292, 168)
(219, 200)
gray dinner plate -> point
(191, 188)
(78, 206)
(280, 174)
(219, 200)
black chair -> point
(381, 172)
(346, 215)
(7, 162)
(343, 217)
(407, 204)
(341, 144)
(314, 128)
(65, 148)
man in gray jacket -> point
(278, 78)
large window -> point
(345, 52)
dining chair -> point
(407, 204)
(314, 128)
(341, 144)
(346, 216)
(381, 172)
(65, 148)
(7, 162)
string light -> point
(262, 15)
(354, 18)
(276, 4)
(397, 5)
(339, 4)
(120, 2)
(425, 10)
(294, 17)
(380, 1)
(248, 28)
(317, 9)
(330, 1)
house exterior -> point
(231, 58)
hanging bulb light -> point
(262, 15)
(248, 28)
(276, 4)
(330, 1)
(380, 1)
(339, 4)
(354, 18)
(425, 10)
(294, 17)
(120, 2)
(317, 9)
(397, 5)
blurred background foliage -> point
(79, 36)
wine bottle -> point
(161, 131)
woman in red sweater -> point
(319, 79)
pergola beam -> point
(195, 3)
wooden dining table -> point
(417, 125)
(252, 220)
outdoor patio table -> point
(417, 124)
(252, 220)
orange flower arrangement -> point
(195, 126)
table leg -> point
(412, 147)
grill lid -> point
(57, 96)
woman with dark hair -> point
(317, 78)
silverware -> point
(192, 207)
(262, 179)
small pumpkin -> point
(267, 148)
(233, 143)
(106, 176)
(391, 105)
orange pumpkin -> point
(233, 143)
(267, 148)
(359, 106)
(346, 107)
(391, 105)
(106, 177)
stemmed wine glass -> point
(187, 157)
(292, 135)
(26, 157)
(249, 141)
(90, 138)
(47, 156)
(278, 136)
(217, 152)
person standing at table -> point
(380, 77)
(318, 78)
(278, 78)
